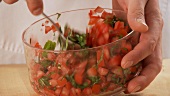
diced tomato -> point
(55, 76)
(114, 61)
(49, 92)
(96, 88)
(91, 13)
(51, 56)
(119, 25)
(46, 22)
(65, 69)
(102, 78)
(87, 91)
(113, 39)
(54, 28)
(53, 82)
(68, 85)
(106, 15)
(37, 45)
(126, 47)
(106, 53)
(109, 77)
(58, 91)
(93, 20)
(65, 92)
(112, 87)
(102, 71)
(61, 82)
(47, 29)
(98, 9)
(78, 78)
(81, 67)
(92, 71)
(78, 91)
(73, 92)
(40, 74)
(117, 70)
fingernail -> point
(141, 21)
(127, 64)
(136, 89)
(37, 11)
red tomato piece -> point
(49, 92)
(78, 78)
(118, 71)
(51, 56)
(61, 82)
(103, 71)
(73, 92)
(98, 9)
(40, 74)
(106, 53)
(53, 27)
(93, 20)
(55, 76)
(119, 25)
(78, 92)
(58, 91)
(47, 29)
(37, 45)
(68, 85)
(87, 91)
(106, 15)
(53, 82)
(65, 92)
(126, 47)
(114, 61)
(96, 88)
(92, 71)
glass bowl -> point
(83, 72)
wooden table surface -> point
(14, 82)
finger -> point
(10, 1)
(136, 16)
(35, 6)
(116, 5)
(153, 65)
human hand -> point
(35, 6)
(143, 16)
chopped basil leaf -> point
(44, 81)
(49, 45)
(44, 54)
(94, 79)
(58, 15)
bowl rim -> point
(57, 51)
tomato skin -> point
(78, 91)
(126, 47)
(49, 92)
(96, 88)
(106, 15)
(92, 71)
(54, 28)
(51, 56)
(103, 71)
(93, 20)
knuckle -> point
(152, 44)
(139, 12)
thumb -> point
(35, 6)
(136, 15)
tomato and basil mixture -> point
(87, 71)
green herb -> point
(100, 60)
(44, 81)
(94, 79)
(81, 40)
(49, 45)
(58, 15)
(44, 54)
(46, 63)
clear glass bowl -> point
(85, 72)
